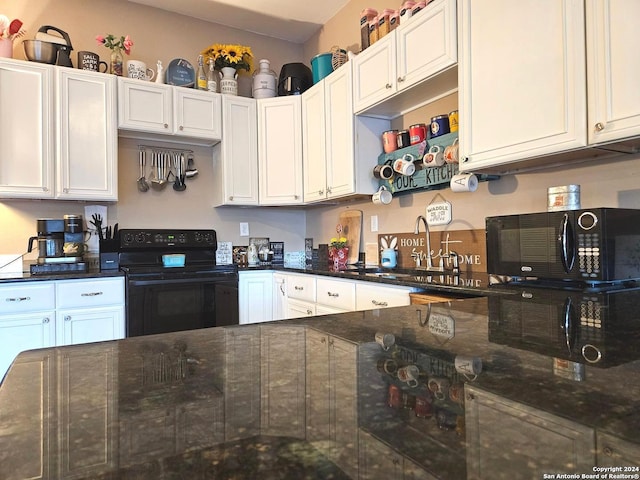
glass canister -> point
(366, 16)
(384, 20)
(264, 81)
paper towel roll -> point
(464, 182)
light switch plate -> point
(374, 223)
(244, 229)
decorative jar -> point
(229, 81)
(339, 257)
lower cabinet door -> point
(89, 325)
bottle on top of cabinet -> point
(201, 77)
(366, 17)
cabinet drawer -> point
(302, 287)
(89, 293)
(370, 296)
(336, 293)
(27, 297)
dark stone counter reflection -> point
(318, 398)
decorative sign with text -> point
(469, 245)
(439, 213)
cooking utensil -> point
(158, 182)
(191, 170)
(179, 184)
(143, 186)
(97, 222)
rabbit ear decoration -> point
(394, 242)
(383, 242)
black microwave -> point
(590, 245)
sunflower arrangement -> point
(223, 55)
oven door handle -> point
(567, 244)
(139, 282)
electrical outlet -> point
(374, 223)
(244, 229)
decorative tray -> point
(180, 73)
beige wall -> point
(157, 35)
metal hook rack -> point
(167, 165)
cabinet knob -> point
(608, 451)
(331, 342)
(471, 396)
(296, 197)
(329, 190)
(379, 304)
(387, 86)
(181, 128)
(166, 125)
(67, 318)
(45, 189)
(45, 320)
(320, 192)
(599, 126)
(65, 190)
(231, 197)
(400, 79)
(323, 340)
(395, 461)
(465, 159)
(309, 312)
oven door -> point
(162, 304)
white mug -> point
(382, 196)
(405, 165)
(139, 70)
(435, 157)
(409, 375)
(385, 340)
(469, 366)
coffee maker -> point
(60, 245)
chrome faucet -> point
(416, 231)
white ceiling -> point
(292, 20)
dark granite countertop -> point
(28, 277)
(310, 398)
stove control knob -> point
(128, 238)
(182, 238)
(140, 237)
(198, 237)
(208, 238)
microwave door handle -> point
(568, 325)
(567, 244)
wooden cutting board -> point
(351, 221)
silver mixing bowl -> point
(40, 51)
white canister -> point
(565, 197)
(264, 81)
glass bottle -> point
(212, 79)
(201, 77)
(116, 62)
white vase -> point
(229, 81)
(6, 48)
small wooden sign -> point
(439, 213)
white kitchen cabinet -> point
(87, 136)
(300, 308)
(612, 96)
(27, 133)
(279, 310)
(255, 296)
(337, 294)
(504, 435)
(340, 150)
(58, 133)
(417, 50)
(280, 150)
(282, 381)
(332, 406)
(236, 160)
(27, 320)
(370, 295)
(90, 310)
(150, 108)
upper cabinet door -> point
(427, 43)
(375, 73)
(522, 81)
(87, 147)
(613, 94)
(315, 143)
(198, 113)
(26, 130)
(280, 150)
(145, 106)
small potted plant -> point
(116, 45)
(338, 252)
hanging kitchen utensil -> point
(179, 184)
(191, 170)
(143, 186)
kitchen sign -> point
(439, 213)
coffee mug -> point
(435, 157)
(387, 365)
(451, 152)
(417, 133)
(384, 172)
(423, 407)
(91, 61)
(385, 340)
(409, 375)
(468, 366)
(382, 196)
(139, 70)
(439, 386)
(405, 165)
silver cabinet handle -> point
(231, 197)
(387, 86)
(298, 288)
(18, 299)
(166, 125)
(599, 126)
(91, 294)
(400, 79)
(334, 295)
(379, 304)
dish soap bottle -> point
(212, 83)
(201, 77)
(264, 81)
(252, 255)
